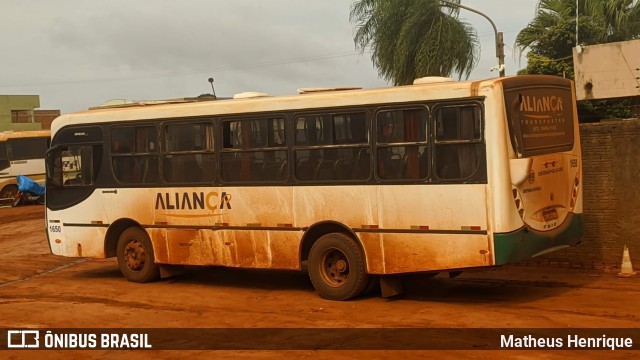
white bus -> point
(21, 153)
(355, 184)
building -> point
(18, 113)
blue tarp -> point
(26, 184)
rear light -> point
(574, 192)
(518, 201)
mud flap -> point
(390, 285)
(170, 270)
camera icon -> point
(23, 339)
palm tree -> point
(552, 32)
(621, 19)
(414, 38)
(551, 35)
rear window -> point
(540, 115)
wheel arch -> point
(8, 185)
(315, 231)
(113, 234)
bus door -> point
(73, 164)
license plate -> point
(550, 214)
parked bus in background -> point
(21, 153)
(356, 184)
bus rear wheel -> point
(135, 256)
(337, 267)
(9, 192)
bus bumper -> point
(525, 243)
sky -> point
(76, 54)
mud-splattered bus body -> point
(435, 176)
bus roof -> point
(6, 135)
(303, 101)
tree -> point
(410, 39)
(552, 32)
(551, 36)
(538, 64)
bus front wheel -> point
(135, 256)
(337, 267)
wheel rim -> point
(334, 267)
(134, 255)
(8, 192)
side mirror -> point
(53, 165)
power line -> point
(544, 59)
(192, 71)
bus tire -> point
(337, 267)
(135, 256)
(9, 192)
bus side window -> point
(188, 153)
(331, 147)
(134, 154)
(458, 141)
(254, 150)
(401, 141)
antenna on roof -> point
(212, 89)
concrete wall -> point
(607, 71)
(17, 102)
(611, 179)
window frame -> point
(225, 134)
(480, 142)
(426, 143)
(134, 155)
(331, 113)
(92, 169)
(164, 153)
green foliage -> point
(596, 110)
(410, 39)
(552, 32)
(551, 36)
(537, 64)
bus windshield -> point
(540, 116)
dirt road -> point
(39, 290)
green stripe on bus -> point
(522, 244)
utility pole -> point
(498, 35)
(577, 18)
